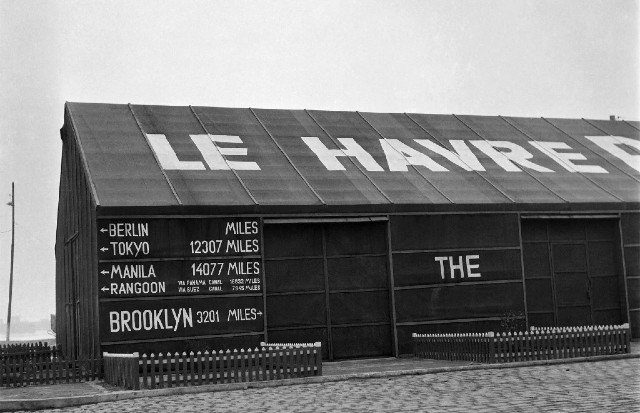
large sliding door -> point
(329, 282)
(573, 272)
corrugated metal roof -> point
(165, 156)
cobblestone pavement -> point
(605, 386)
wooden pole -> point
(13, 226)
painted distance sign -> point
(172, 318)
(179, 277)
(177, 238)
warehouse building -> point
(196, 227)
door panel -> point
(608, 293)
(329, 283)
(357, 273)
(304, 274)
(295, 310)
(569, 258)
(359, 307)
(572, 288)
(574, 316)
(573, 295)
(572, 272)
(363, 341)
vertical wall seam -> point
(94, 261)
(595, 152)
(83, 157)
(552, 274)
(144, 135)
(392, 289)
(327, 297)
(476, 172)
(348, 157)
(405, 158)
(287, 157)
(225, 159)
(522, 167)
(624, 270)
(524, 282)
(586, 247)
(265, 321)
(580, 174)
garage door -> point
(572, 272)
(328, 282)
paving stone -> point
(602, 386)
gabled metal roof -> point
(290, 160)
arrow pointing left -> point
(103, 249)
(103, 230)
(105, 288)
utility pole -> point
(12, 203)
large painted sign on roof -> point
(201, 156)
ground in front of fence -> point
(56, 390)
(346, 367)
(378, 365)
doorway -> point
(573, 272)
(329, 282)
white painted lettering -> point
(565, 159)
(453, 267)
(167, 157)
(237, 165)
(241, 228)
(187, 317)
(463, 157)
(138, 288)
(471, 267)
(213, 154)
(329, 157)
(176, 317)
(157, 321)
(125, 317)
(147, 320)
(612, 144)
(400, 155)
(514, 154)
(136, 320)
(460, 267)
(131, 248)
(114, 321)
(441, 260)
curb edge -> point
(62, 402)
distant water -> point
(38, 335)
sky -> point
(517, 58)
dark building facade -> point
(195, 227)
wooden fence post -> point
(627, 336)
(318, 350)
(491, 347)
